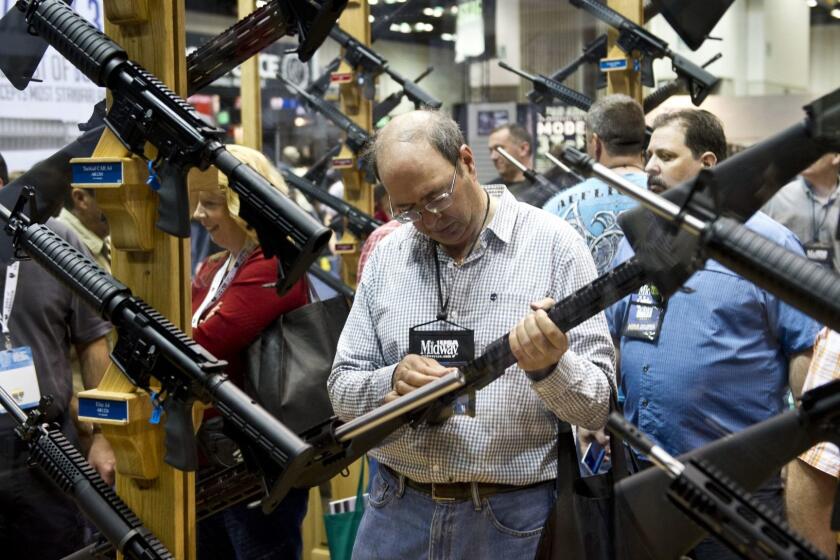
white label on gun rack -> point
(612, 64)
(18, 377)
(97, 174)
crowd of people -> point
(460, 260)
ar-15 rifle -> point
(149, 346)
(369, 65)
(719, 505)
(259, 29)
(593, 52)
(356, 137)
(633, 37)
(384, 107)
(360, 223)
(144, 110)
(543, 189)
(66, 467)
(549, 89)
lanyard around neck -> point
(9, 291)
(221, 281)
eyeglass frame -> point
(413, 214)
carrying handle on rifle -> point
(806, 285)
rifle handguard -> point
(782, 272)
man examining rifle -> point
(467, 266)
(615, 135)
(41, 319)
(720, 354)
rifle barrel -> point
(518, 72)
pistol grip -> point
(181, 446)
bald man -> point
(469, 265)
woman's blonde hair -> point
(218, 181)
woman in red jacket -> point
(232, 303)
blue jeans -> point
(401, 522)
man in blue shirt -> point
(720, 354)
(615, 135)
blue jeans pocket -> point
(520, 514)
(381, 491)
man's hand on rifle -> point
(536, 341)
(413, 372)
(101, 457)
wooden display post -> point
(357, 191)
(626, 80)
(156, 268)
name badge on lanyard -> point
(644, 314)
(820, 253)
(451, 348)
(17, 368)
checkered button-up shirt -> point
(524, 254)
(825, 367)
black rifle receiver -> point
(360, 223)
(66, 467)
(356, 137)
(149, 346)
(321, 84)
(549, 89)
(318, 172)
(145, 110)
(384, 107)
(369, 64)
(592, 52)
(634, 37)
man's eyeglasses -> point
(435, 206)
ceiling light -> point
(811, 3)
(447, 36)
(428, 11)
(371, 18)
(835, 13)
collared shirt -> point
(796, 207)
(825, 367)
(721, 360)
(523, 255)
(97, 246)
(592, 208)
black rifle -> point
(144, 110)
(384, 107)
(321, 84)
(592, 53)
(318, 172)
(543, 189)
(149, 346)
(66, 467)
(718, 504)
(369, 65)
(258, 30)
(356, 136)
(550, 89)
(360, 223)
(633, 37)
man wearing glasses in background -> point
(470, 265)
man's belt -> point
(460, 490)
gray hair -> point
(619, 122)
(439, 131)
